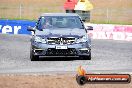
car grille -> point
(61, 52)
(61, 40)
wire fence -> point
(99, 15)
(21, 12)
(108, 15)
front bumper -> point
(74, 50)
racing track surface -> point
(107, 56)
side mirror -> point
(29, 28)
(89, 28)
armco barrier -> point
(109, 31)
(15, 26)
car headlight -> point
(39, 39)
(82, 39)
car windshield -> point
(50, 22)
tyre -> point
(86, 57)
(32, 56)
(81, 80)
(89, 57)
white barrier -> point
(109, 31)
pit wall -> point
(110, 31)
(100, 31)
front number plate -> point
(61, 47)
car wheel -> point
(32, 56)
(89, 57)
(81, 80)
(86, 57)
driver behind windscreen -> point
(47, 24)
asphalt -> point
(107, 56)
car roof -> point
(59, 14)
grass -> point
(18, 19)
(111, 22)
(119, 11)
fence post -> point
(20, 10)
(107, 15)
